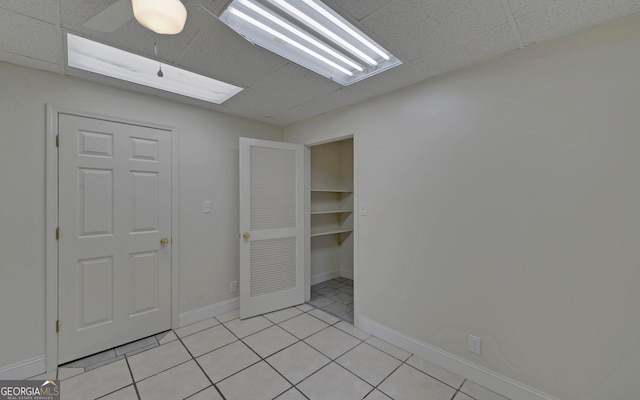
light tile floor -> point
(297, 353)
(334, 296)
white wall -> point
(504, 201)
(208, 171)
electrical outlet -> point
(233, 287)
(475, 344)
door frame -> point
(356, 217)
(51, 211)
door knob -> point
(246, 236)
(164, 241)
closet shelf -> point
(336, 211)
(331, 231)
(332, 190)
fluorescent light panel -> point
(105, 60)
(310, 34)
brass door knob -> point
(246, 236)
(164, 241)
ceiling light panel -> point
(309, 33)
(105, 60)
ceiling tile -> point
(473, 51)
(76, 12)
(29, 37)
(296, 114)
(48, 11)
(570, 16)
(413, 28)
(260, 103)
(29, 62)
(387, 81)
(520, 8)
(221, 53)
(296, 83)
(357, 8)
(329, 102)
(248, 114)
(212, 5)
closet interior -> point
(331, 229)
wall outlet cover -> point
(475, 344)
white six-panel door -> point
(114, 210)
(272, 226)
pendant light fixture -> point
(166, 17)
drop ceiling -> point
(431, 37)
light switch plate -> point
(363, 208)
(207, 207)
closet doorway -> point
(331, 227)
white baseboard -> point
(346, 274)
(200, 314)
(483, 376)
(24, 369)
(325, 277)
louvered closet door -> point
(271, 226)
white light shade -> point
(105, 60)
(310, 34)
(166, 17)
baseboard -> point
(24, 369)
(483, 376)
(346, 274)
(325, 277)
(200, 314)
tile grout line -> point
(135, 385)
(431, 376)
(376, 387)
(199, 366)
(331, 360)
(261, 359)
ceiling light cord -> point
(155, 50)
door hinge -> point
(58, 233)
(57, 140)
(57, 325)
